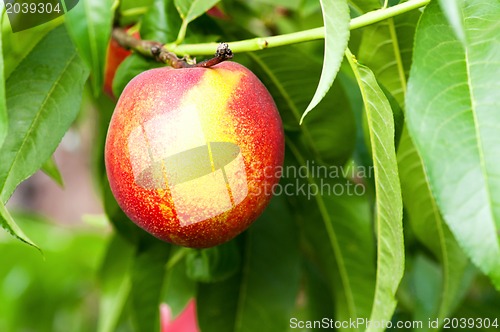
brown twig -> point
(156, 50)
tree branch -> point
(168, 53)
(154, 49)
(256, 44)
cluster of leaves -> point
(417, 105)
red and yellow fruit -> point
(191, 153)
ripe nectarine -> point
(191, 153)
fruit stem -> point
(148, 48)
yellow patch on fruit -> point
(216, 87)
(190, 152)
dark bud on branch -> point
(223, 53)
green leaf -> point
(132, 66)
(290, 75)
(89, 25)
(43, 99)
(425, 283)
(10, 225)
(319, 302)
(115, 282)
(17, 45)
(388, 204)
(262, 296)
(386, 48)
(337, 227)
(148, 273)
(452, 119)
(422, 289)
(213, 264)
(50, 168)
(3, 107)
(361, 155)
(161, 22)
(336, 20)
(191, 9)
(216, 305)
(392, 41)
(429, 227)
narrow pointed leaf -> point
(336, 21)
(452, 116)
(389, 206)
(429, 227)
(89, 25)
(50, 168)
(386, 48)
(8, 223)
(41, 108)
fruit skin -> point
(164, 183)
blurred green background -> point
(56, 290)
